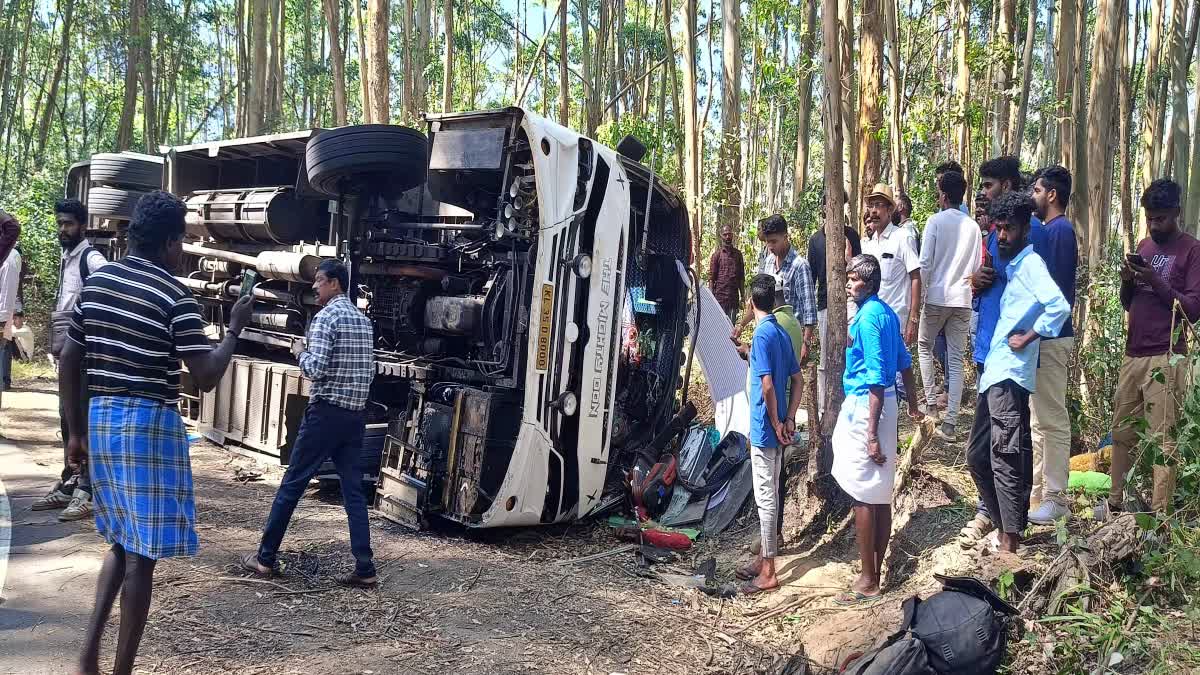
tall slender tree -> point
(377, 59)
(729, 168)
(807, 63)
(337, 56)
(870, 91)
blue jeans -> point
(327, 431)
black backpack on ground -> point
(960, 630)
(900, 655)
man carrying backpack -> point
(79, 259)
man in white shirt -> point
(79, 259)
(907, 225)
(951, 251)
(10, 281)
(900, 284)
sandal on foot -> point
(851, 598)
(355, 581)
(747, 570)
(977, 529)
(751, 588)
(249, 563)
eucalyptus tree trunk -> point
(378, 68)
(1153, 77)
(564, 87)
(808, 58)
(691, 133)
(68, 12)
(835, 236)
(338, 58)
(1106, 68)
(729, 168)
(1016, 134)
(849, 118)
(962, 23)
(1005, 35)
(895, 88)
(364, 81)
(132, 67)
(1126, 149)
(1065, 88)
(1178, 145)
(255, 107)
(870, 91)
(448, 57)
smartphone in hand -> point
(249, 281)
(1136, 259)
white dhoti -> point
(861, 478)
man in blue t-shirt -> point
(1048, 405)
(772, 425)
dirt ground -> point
(515, 601)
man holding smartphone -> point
(338, 357)
(1160, 288)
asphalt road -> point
(47, 568)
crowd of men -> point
(1002, 279)
(121, 329)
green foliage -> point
(1101, 361)
(32, 203)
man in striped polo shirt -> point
(338, 356)
(131, 326)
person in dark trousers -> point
(1051, 423)
(997, 176)
(1160, 289)
(1000, 450)
(726, 274)
(78, 260)
(133, 324)
(338, 356)
(773, 366)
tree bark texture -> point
(1017, 122)
(379, 13)
(835, 236)
(564, 86)
(808, 59)
(729, 169)
(962, 22)
(895, 96)
(691, 131)
(1002, 99)
(1151, 147)
(338, 58)
(448, 57)
(870, 91)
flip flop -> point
(851, 598)
(750, 588)
(249, 563)
(747, 570)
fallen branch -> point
(247, 580)
(597, 556)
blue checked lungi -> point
(141, 477)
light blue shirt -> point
(876, 351)
(1031, 299)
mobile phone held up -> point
(1136, 259)
(249, 281)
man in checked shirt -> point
(338, 357)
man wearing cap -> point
(900, 286)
